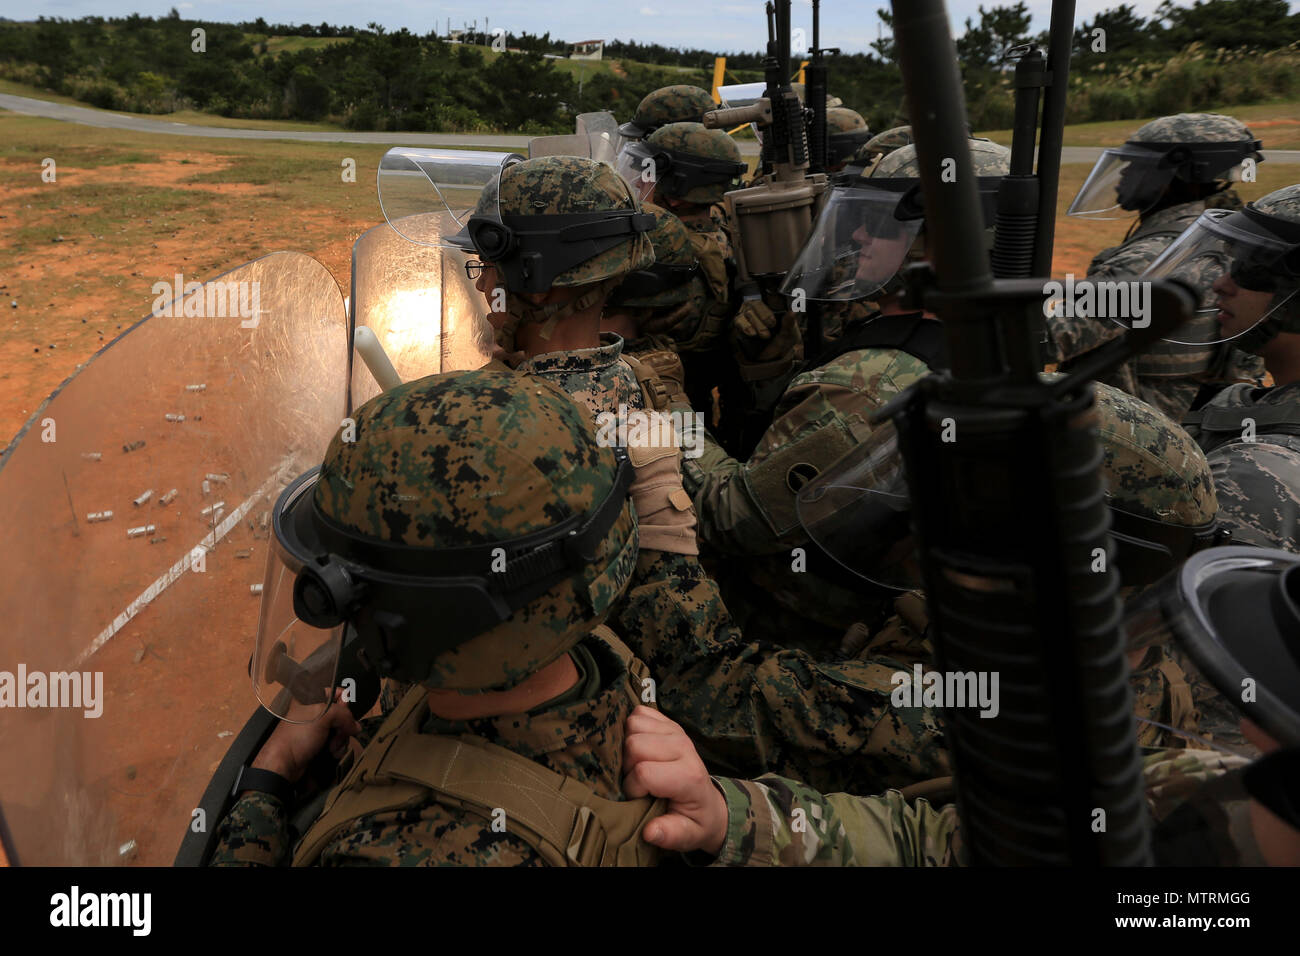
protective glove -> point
(664, 512)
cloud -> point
(648, 12)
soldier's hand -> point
(660, 760)
(291, 747)
(754, 320)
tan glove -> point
(664, 512)
(754, 320)
(664, 365)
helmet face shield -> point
(407, 605)
(293, 664)
(417, 184)
(859, 512)
(1222, 241)
(857, 244)
(636, 164)
(1125, 180)
(1236, 611)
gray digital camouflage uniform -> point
(1167, 375)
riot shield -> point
(418, 301)
(133, 514)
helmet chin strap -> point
(524, 311)
(1285, 318)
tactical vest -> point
(561, 818)
(920, 338)
(1215, 425)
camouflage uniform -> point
(596, 378)
(579, 734)
(842, 830)
(425, 454)
(1167, 375)
(747, 508)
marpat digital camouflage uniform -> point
(424, 457)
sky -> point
(719, 25)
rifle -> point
(1056, 777)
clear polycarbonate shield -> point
(1235, 611)
(1219, 242)
(859, 512)
(293, 664)
(743, 94)
(416, 182)
(857, 244)
(134, 516)
(1125, 181)
(417, 299)
(636, 164)
(601, 130)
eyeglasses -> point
(474, 268)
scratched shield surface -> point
(131, 520)
(417, 300)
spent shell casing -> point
(144, 496)
(244, 553)
(219, 476)
(92, 455)
(159, 539)
(196, 388)
(142, 530)
(174, 418)
(167, 498)
(133, 445)
(212, 507)
(100, 516)
(255, 589)
(207, 487)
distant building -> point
(587, 50)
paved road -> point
(140, 124)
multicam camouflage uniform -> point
(839, 829)
(424, 456)
(1167, 375)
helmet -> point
(801, 91)
(1259, 247)
(668, 280)
(846, 133)
(683, 161)
(1258, 484)
(669, 104)
(882, 144)
(1190, 147)
(1158, 488)
(469, 531)
(870, 224)
(558, 221)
